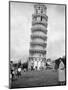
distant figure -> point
(57, 62)
(25, 66)
(16, 73)
(61, 73)
(12, 74)
(19, 72)
(32, 68)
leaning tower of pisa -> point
(37, 51)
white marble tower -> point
(37, 52)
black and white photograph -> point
(37, 47)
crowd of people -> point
(60, 67)
(15, 71)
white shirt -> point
(19, 69)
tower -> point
(37, 51)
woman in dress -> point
(61, 73)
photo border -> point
(65, 38)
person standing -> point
(19, 71)
(61, 73)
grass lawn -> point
(36, 79)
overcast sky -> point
(21, 21)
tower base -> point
(36, 63)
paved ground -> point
(36, 79)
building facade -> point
(37, 51)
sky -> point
(20, 30)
